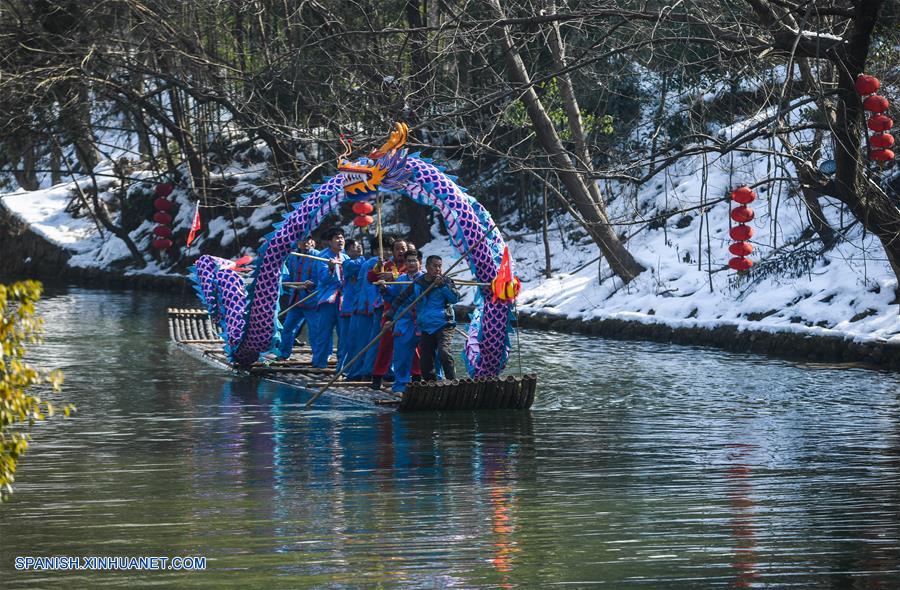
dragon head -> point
(383, 168)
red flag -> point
(504, 272)
(504, 277)
(195, 225)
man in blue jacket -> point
(366, 321)
(400, 296)
(350, 287)
(435, 319)
(301, 270)
(328, 301)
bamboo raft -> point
(192, 331)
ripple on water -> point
(641, 464)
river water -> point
(641, 465)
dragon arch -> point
(248, 313)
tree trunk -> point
(851, 185)
(418, 216)
(26, 175)
(185, 140)
(620, 260)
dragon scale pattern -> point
(248, 318)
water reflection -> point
(641, 465)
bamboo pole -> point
(378, 228)
(388, 325)
(465, 283)
(302, 255)
(287, 309)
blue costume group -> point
(341, 296)
(430, 315)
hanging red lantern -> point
(741, 248)
(743, 195)
(162, 231)
(882, 140)
(739, 263)
(164, 189)
(881, 155)
(362, 208)
(162, 204)
(880, 123)
(742, 214)
(866, 84)
(363, 220)
(162, 243)
(876, 104)
(162, 218)
(740, 233)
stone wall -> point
(790, 345)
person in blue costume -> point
(300, 270)
(400, 296)
(435, 319)
(366, 321)
(328, 283)
(350, 287)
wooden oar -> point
(302, 255)
(287, 309)
(388, 325)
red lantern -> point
(164, 189)
(162, 204)
(881, 155)
(740, 263)
(867, 84)
(742, 214)
(880, 123)
(882, 140)
(362, 208)
(743, 195)
(162, 218)
(876, 104)
(162, 231)
(162, 243)
(363, 220)
(741, 248)
(740, 233)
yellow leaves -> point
(20, 326)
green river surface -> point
(641, 465)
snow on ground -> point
(846, 292)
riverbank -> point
(797, 343)
(835, 307)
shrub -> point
(20, 408)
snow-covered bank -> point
(676, 225)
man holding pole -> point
(328, 281)
(299, 270)
(386, 270)
(366, 321)
(405, 339)
(350, 287)
(435, 319)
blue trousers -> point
(321, 335)
(404, 351)
(363, 328)
(344, 340)
(293, 323)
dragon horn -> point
(396, 140)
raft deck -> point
(193, 332)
